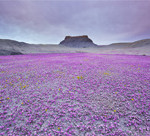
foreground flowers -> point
(74, 94)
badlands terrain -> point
(77, 44)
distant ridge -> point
(78, 41)
(74, 44)
(144, 42)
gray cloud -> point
(51, 21)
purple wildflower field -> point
(75, 94)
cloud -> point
(50, 21)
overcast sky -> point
(47, 21)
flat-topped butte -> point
(78, 41)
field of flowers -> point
(75, 94)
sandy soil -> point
(100, 50)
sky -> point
(49, 21)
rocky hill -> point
(12, 47)
(139, 43)
(78, 42)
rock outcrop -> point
(12, 47)
(78, 42)
(6, 52)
